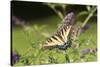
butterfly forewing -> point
(61, 36)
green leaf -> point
(82, 13)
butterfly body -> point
(62, 38)
(63, 46)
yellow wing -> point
(61, 36)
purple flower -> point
(15, 57)
(85, 51)
(69, 18)
(87, 26)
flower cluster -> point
(15, 57)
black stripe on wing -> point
(61, 36)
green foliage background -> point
(28, 41)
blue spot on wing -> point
(65, 46)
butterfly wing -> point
(61, 36)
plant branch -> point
(88, 17)
(57, 12)
(66, 57)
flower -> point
(85, 51)
(87, 26)
(15, 57)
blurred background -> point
(33, 22)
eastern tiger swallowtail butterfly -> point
(62, 38)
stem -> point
(66, 57)
(29, 40)
(57, 12)
(88, 17)
(27, 36)
(64, 9)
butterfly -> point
(62, 38)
